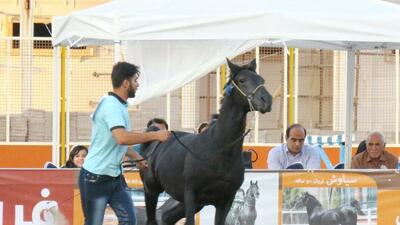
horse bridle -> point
(248, 97)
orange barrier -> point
(24, 156)
(34, 156)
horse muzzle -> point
(265, 103)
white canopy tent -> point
(178, 41)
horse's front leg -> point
(221, 212)
(190, 206)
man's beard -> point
(131, 93)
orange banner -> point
(41, 196)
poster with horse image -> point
(255, 202)
(281, 198)
(329, 206)
(340, 197)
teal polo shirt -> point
(105, 155)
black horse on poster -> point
(206, 168)
(317, 215)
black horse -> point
(206, 168)
(317, 215)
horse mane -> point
(313, 198)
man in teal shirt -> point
(101, 181)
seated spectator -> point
(202, 127)
(152, 125)
(361, 147)
(375, 157)
(294, 152)
(159, 123)
(214, 117)
(76, 157)
(49, 165)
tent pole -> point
(63, 102)
(168, 104)
(117, 51)
(397, 64)
(349, 105)
(284, 91)
(68, 102)
(256, 114)
(291, 87)
(56, 105)
(218, 89)
(296, 85)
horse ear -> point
(233, 68)
(256, 182)
(251, 182)
(253, 65)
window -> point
(39, 30)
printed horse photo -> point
(317, 215)
(206, 168)
(237, 205)
(248, 213)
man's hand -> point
(162, 135)
(141, 164)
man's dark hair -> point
(296, 125)
(214, 116)
(157, 120)
(123, 71)
(202, 126)
(362, 146)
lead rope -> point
(242, 136)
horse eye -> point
(242, 80)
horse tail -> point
(357, 206)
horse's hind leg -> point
(172, 214)
(151, 205)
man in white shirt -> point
(294, 151)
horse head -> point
(248, 88)
(307, 200)
(253, 191)
(302, 200)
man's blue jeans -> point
(98, 190)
